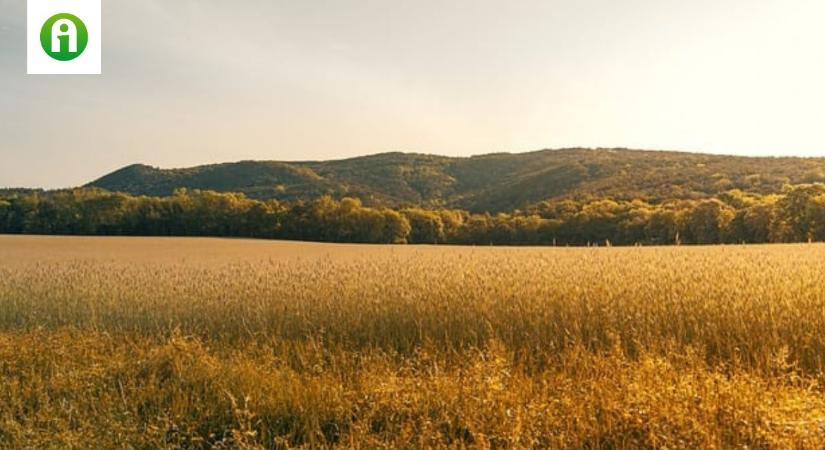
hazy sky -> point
(189, 82)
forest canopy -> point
(795, 214)
(491, 183)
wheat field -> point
(145, 343)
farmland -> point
(240, 344)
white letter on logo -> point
(64, 27)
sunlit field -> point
(143, 343)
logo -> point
(64, 37)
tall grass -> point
(702, 347)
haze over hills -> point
(493, 182)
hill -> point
(494, 182)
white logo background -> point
(38, 12)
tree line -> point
(796, 214)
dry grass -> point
(176, 343)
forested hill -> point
(494, 182)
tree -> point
(796, 213)
(426, 227)
(707, 222)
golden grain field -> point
(145, 343)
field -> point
(143, 343)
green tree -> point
(707, 222)
(426, 227)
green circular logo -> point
(64, 37)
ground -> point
(213, 343)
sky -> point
(190, 82)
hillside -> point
(494, 182)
